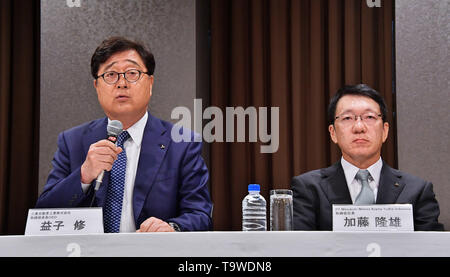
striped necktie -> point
(114, 194)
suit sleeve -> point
(63, 187)
(305, 205)
(195, 205)
(426, 211)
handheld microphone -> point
(114, 129)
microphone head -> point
(114, 128)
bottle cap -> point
(254, 187)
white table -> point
(231, 244)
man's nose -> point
(122, 82)
(359, 125)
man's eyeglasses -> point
(112, 77)
(350, 119)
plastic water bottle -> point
(254, 210)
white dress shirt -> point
(133, 149)
(354, 186)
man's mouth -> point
(360, 140)
(122, 97)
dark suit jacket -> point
(316, 191)
(170, 184)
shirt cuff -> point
(85, 187)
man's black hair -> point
(115, 45)
(362, 90)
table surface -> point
(232, 244)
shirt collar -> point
(137, 130)
(350, 170)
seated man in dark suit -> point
(151, 184)
(357, 116)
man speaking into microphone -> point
(146, 182)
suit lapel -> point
(334, 185)
(150, 159)
(96, 132)
(390, 185)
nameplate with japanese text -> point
(64, 221)
(381, 217)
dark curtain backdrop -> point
(19, 112)
(293, 55)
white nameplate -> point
(64, 221)
(381, 217)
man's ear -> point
(385, 131)
(332, 133)
(152, 79)
(95, 83)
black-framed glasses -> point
(112, 77)
(350, 119)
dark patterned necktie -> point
(114, 194)
(366, 196)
